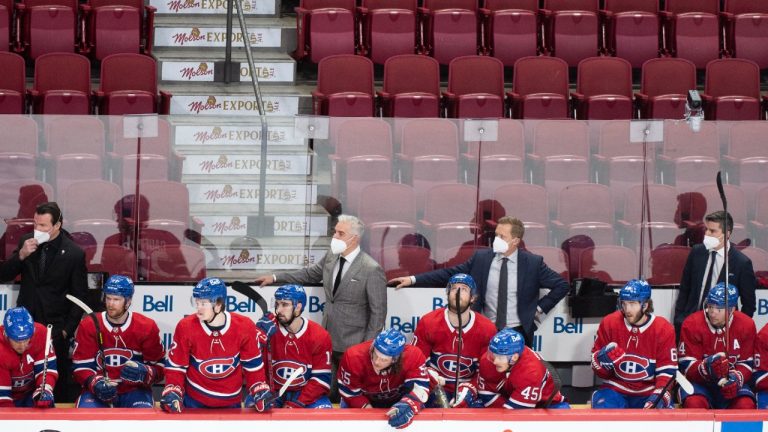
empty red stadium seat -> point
(604, 89)
(12, 83)
(540, 89)
(390, 28)
(470, 97)
(732, 90)
(411, 87)
(664, 87)
(324, 28)
(511, 29)
(344, 87)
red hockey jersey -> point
(698, 340)
(438, 340)
(138, 339)
(527, 384)
(210, 364)
(761, 360)
(21, 374)
(310, 347)
(651, 356)
(359, 384)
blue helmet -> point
(119, 285)
(716, 296)
(462, 278)
(294, 293)
(635, 290)
(18, 324)
(507, 342)
(211, 288)
(390, 342)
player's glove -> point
(401, 414)
(267, 324)
(714, 367)
(609, 356)
(293, 404)
(259, 397)
(43, 397)
(653, 400)
(137, 373)
(466, 396)
(730, 388)
(102, 388)
(171, 399)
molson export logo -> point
(234, 225)
(232, 105)
(214, 195)
(177, 5)
(237, 135)
(194, 35)
(209, 104)
(201, 70)
(261, 72)
(233, 260)
(208, 165)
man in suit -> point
(51, 266)
(520, 272)
(355, 289)
(704, 269)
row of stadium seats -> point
(62, 85)
(636, 30)
(411, 88)
(97, 28)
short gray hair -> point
(356, 225)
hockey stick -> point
(721, 190)
(681, 380)
(459, 344)
(556, 381)
(246, 290)
(46, 353)
(291, 378)
(99, 337)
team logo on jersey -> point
(446, 364)
(22, 382)
(217, 368)
(634, 368)
(115, 357)
(281, 370)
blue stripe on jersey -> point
(253, 364)
(410, 383)
(323, 376)
(39, 368)
(348, 392)
(686, 363)
(5, 393)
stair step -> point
(237, 99)
(246, 194)
(192, 67)
(205, 135)
(213, 7)
(209, 32)
(244, 261)
(223, 229)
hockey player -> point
(22, 355)
(437, 336)
(130, 349)
(718, 374)
(213, 353)
(385, 373)
(513, 376)
(634, 353)
(760, 377)
(297, 342)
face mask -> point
(338, 246)
(711, 242)
(499, 245)
(42, 236)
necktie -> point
(43, 259)
(708, 279)
(501, 304)
(338, 275)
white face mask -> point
(42, 236)
(711, 242)
(338, 246)
(499, 245)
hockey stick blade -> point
(683, 382)
(79, 304)
(556, 381)
(291, 378)
(246, 290)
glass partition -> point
(171, 199)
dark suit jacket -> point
(532, 274)
(359, 309)
(742, 275)
(44, 297)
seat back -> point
(12, 82)
(450, 203)
(62, 71)
(732, 77)
(345, 73)
(127, 71)
(571, 208)
(19, 198)
(78, 201)
(683, 6)
(611, 264)
(117, 29)
(387, 202)
(603, 76)
(618, 6)
(541, 75)
(463, 73)
(19, 134)
(497, 5)
(411, 73)
(75, 134)
(362, 137)
(425, 137)
(667, 75)
(561, 137)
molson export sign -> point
(233, 105)
(250, 7)
(248, 193)
(245, 164)
(209, 37)
(250, 259)
(268, 72)
(229, 135)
